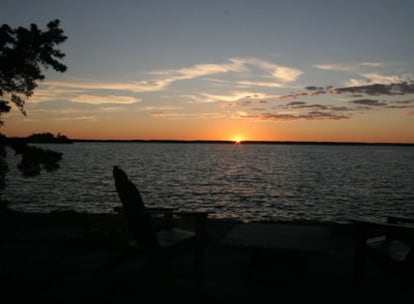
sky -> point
(292, 70)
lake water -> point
(247, 182)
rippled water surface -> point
(248, 182)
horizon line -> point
(229, 141)
(224, 141)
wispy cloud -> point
(320, 107)
(401, 104)
(313, 115)
(163, 108)
(49, 93)
(199, 70)
(279, 72)
(179, 116)
(249, 83)
(132, 86)
(364, 102)
(230, 97)
(106, 99)
(335, 67)
(348, 67)
(237, 104)
(373, 64)
(369, 102)
(377, 78)
(159, 80)
(400, 88)
(74, 118)
(259, 84)
(397, 88)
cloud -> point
(134, 86)
(362, 100)
(83, 118)
(376, 78)
(281, 73)
(372, 64)
(384, 79)
(294, 95)
(314, 88)
(349, 67)
(334, 67)
(369, 102)
(165, 108)
(401, 104)
(231, 97)
(353, 82)
(286, 74)
(46, 93)
(403, 101)
(161, 79)
(313, 115)
(198, 70)
(235, 96)
(177, 115)
(104, 99)
(306, 106)
(259, 84)
(399, 88)
(296, 103)
(237, 104)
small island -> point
(48, 137)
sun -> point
(237, 140)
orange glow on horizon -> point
(237, 131)
(238, 139)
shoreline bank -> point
(53, 257)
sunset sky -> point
(220, 70)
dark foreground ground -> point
(54, 257)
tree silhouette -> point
(24, 54)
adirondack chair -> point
(389, 245)
(167, 242)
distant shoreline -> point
(246, 142)
(232, 142)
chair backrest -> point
(139, 222)
(128, 193)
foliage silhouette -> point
(48, 138)
(24, 53)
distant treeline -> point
(48, 138)
(243, 142)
